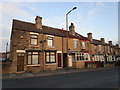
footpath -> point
(51, 72)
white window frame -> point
(81, 57)
(75, 43)
(30, 58)
(108, 49)
(100, 47)
(35, 38)
(83, 44)
(50, 41)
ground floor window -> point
(33, 58)
(82, 56)
(111, 58)
(50, 57)
(99, 58)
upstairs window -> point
(83, 45)
(95, 48)
(111, 50)
(50, 41)
(99, 47)
(108, 49)
(34, 39)
(75, 43)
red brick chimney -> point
(110, 42)
(38, 22)
(72, 29)
(90, 36)
(102, 40)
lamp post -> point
(6, 49)
(67, 31)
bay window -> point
(82, 56)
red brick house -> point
(35, 47)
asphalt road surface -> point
(105, 78)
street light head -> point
(74, 8)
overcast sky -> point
(100, 18)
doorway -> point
(64, 60)
(59, 59)
(20, 62)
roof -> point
(97, 42)
(30, 27)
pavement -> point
(51, 72)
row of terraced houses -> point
(35, 47)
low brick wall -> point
(33, 69)
(109, 64)
(79, 64)
(50, 67)
(91, 65)
(6, 67)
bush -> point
(117, 63)
(6, 62)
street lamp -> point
(6, 49)
(67, 31)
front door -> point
(70, 60)
(20, 62)
(59, 59)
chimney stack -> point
(90, 36)
(117, 45)
(102, 40)
(72, 29)
(110, 42)
(38, 22)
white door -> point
(70, 60)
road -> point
(105, 78)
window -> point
(99, 47)
(34, 39)
(75, 43)
(50, 41)
(95, 48)
(50, 57)
(111, 50)
(82, 56)
(83, 45)
(108, 49)
(33, 58)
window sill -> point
(34, 65)
(81, 61)
(34, 45)
(50, 46)
(50, 64)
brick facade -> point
(49, 51)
